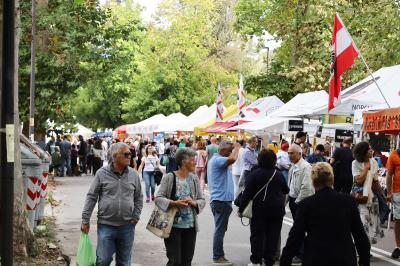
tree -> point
(97, 103)
(304, 29)
(67, 33)
(189, 48)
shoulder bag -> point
(248, 211)
(160, 222)
(158, 174)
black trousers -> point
(180, 246)
(97, 164)
(343, 184)
(264, 237)
(293, 209)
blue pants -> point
(221, 211)
(65, 162)
(114, 239)
(149, 182)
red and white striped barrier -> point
(31, 193)
(31, 199)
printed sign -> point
(296, 125)
(341, 134)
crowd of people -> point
(334, 197)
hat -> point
(285, 146)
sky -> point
(149, 5)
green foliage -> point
(304, 30)
(98, 102)
(66, 34)
(183, 56)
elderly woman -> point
(189, 200)
(330, 224)
(365, 173)
(267, 187)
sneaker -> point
(296, 261)
(147, 200)
(222, 262)
(396, 253)
(152, 197)
(253, 264)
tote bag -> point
(160, 222)
(248, 211)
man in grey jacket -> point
(118, 190)
(300, 185)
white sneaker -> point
(253, 264)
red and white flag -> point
(220, 106)
(241, 98)
(344, 51)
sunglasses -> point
(127, 154)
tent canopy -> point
(84, 131)
(219, 127)
(259, 109)
(146, 125)
(365, 94)
(170, 123)
(302, 104)
(200, 116)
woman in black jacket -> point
(268, 208)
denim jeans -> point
(221, 211)
(149, 182)
(114, 239)
(65, 162)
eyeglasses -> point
(127, 154)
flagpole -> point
(366, 66)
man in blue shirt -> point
(249, 160)
(220, 185)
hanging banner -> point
(296, 125)
(387, 121)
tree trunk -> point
(23, 236)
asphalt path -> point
(149, 249)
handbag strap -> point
(152, 164)
(173, 191)
(265, 186)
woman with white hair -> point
(330, 224)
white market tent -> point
(171, 123)
(302, 104)
(277, 125)
(259, 109)
(84, 131)
(146, 126)
(200, 116)
(365, 94)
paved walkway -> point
(149, 249)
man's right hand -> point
(85, 228)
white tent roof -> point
(277, 125)
(197, 118)
(365, 94)
(259, 109)
(84, 131)
(302, 104)
(146, 125)
(171, 122)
